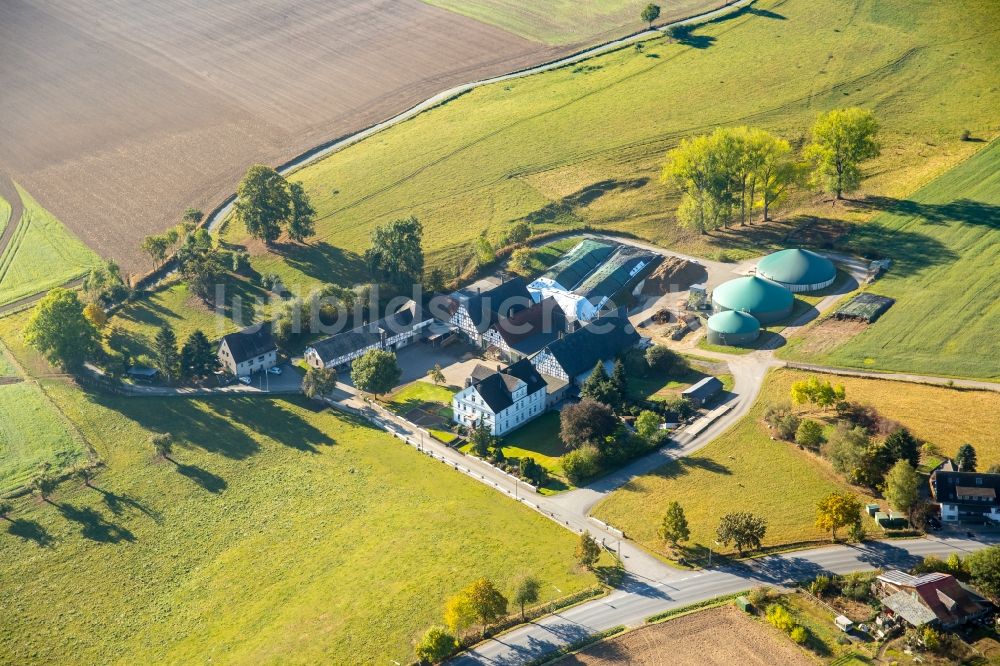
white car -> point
(243, 379)
(274, 371)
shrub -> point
(582, 463)
(809, 434)
(665, 359)
(932, 639)
(799, 634)
(760, 595)
(966, 135)
(820, 586)
(779, 616)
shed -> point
(871, 509)
(142, 374)
(744, 604)
(703, 391)
(881, 518)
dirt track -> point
(117, 116)
(721, 636)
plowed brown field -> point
(118, 115)
(718, 637)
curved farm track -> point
(9, 192)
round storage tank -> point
(798, 270)
(733, 328)
(768, 301)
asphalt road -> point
(639, 598)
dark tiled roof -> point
(601, 339)
(487, 307)
(946, 486)
(620, 271)
(250, 343)
(704, 389)
(530, 330)
(496, 388)
(350, 341)
(578, 262)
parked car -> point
(245, 380)
(274, 371)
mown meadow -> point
(277, 532)
(746, 470)
(945, 244)
(583, 145)
(42, 253)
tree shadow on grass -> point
(213, 483)
(117, 504)
(187, 420)
(93, 525)
(271, 418)
(565, 207)
(29, 530)
(765, 13)
(966, 211)
(325, 263)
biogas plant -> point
(743, 305)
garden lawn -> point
(945, 244)
(174, 306)
(279, 533)
(41, 254)
(583, 144)
(743, 470)
(418, 394)
(538, 439)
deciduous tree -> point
(984, 567)
(156, 247)
(647, 424)
(902, 486)
(674, 528)
(837, 510)
(60, 331)
(650, 13)
(459, 614)
(526, 591)
(842, 140)
(301, 224)
(436, 646)
(319, 382)
(820, 393)
(809, 434)
(376, 371)
(436, 374)
(488, 604)
(587, 551)
(586, 421)
(263, 202)
(162, 443)
(395, 255)
(742, 529)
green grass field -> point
(945, 242)
(41, 254)
(32, 432)
(421, 394)
(743, 470)
(583, 145)
(563, 21)
(280, 533)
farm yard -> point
(565, 22)
(541, 148)
(693, 640)
(140, 110)
(41, 254)
(945, 244)
(161, 559)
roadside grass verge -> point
(945, 244)
(583, 145)
(41, 254)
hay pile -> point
(672, 275)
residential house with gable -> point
(526, 331)
(502, 399)
(474, 313)
(389, 333)
(248, 351)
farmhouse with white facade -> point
(248, 351)
(526, 331)
(501, 399)
(474, 313)
(393, 332)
